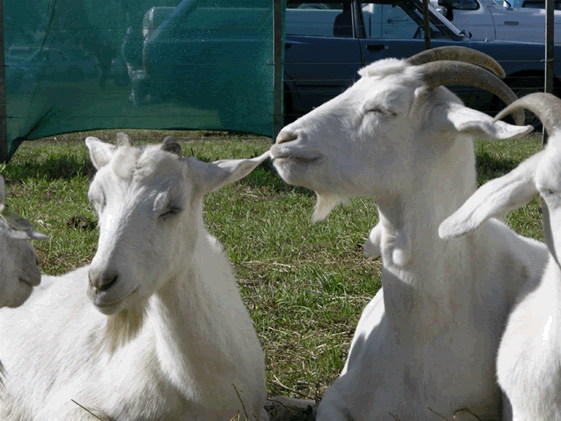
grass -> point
(304, 285)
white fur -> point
(529, 359)
(430, 336)
(170, 339)
(19, 264)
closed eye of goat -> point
(168, 337)
(430, 336)
(529, 359)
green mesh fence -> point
(75, 65)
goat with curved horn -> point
(456, 53)
(402, 138)
(528, 367)
(546, 106)
(444, 73)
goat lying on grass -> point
(529, 359)
(168, 337)
(19, 264)
(430, 336)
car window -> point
(319, 19)
(213, 22)
(465, 5)
(395, 21)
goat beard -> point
(326, 202)
(124, 326)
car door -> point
(473, 16)
(522, 24)
(322, 52)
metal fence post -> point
(277, 84)
(549, 56)
(3, 111)
(426, 23)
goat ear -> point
(27, 235)
(100, 152)
(495, 198)
(218, 174)
(479, 125)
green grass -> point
(304, 284)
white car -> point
(489, 19)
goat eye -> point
(170, 212)
(381, 111)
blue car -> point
(326, 44)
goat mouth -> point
(103, 305)
(304, 158)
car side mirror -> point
(448, 6)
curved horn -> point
(123, 139)
(441, 73)
(456, 53)
(546, 106)
(170, 144)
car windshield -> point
(436, 17)
(403, 20)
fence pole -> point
(277, 84)
(426, 23)
(549, 56)
(3, 111)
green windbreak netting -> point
(76, 65)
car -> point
(326, 44)
(153, 18)
(321, 60)
(489, 19)
(533, 4)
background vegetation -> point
(305, 285)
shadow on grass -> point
(68, 167)
(64, 167)
(489, 167)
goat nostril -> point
(108, 282)
(103, 281)
(285, 137)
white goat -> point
(529, 359)
(430, 336)
(167, 337)
(19, 264)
